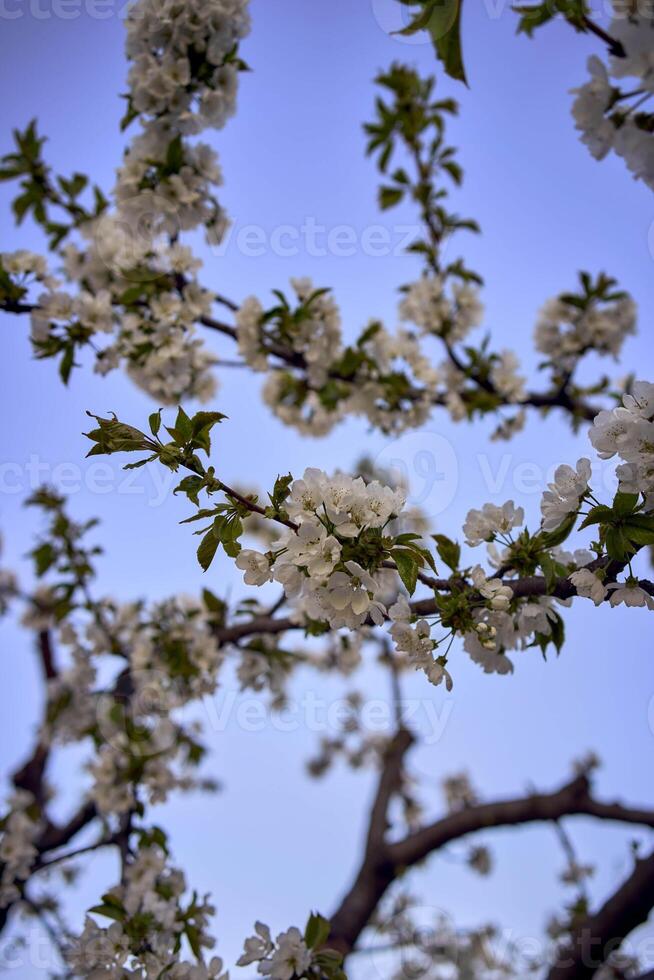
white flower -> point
(351, 594)
(491, 661)
(564, 332)
(255, 565)
(483, 525)
(290, 958)
(505, 378)
(250, 340)
(565, 493)
(629, 593)
(588, 585)
(95, 310)
(591, 102)
(498, 594)
(628, 431)
(307, 493)
(400, 611)
(257, 947)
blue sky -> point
(272, 845)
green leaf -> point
(109, 911)
(407, 568)
(389, 197)
(227, 531)
(449, 551)
(193, 936)
(280, 492)
(421, 20)
(597, 515)
(111, 907)
(155, 422)
(640, 530)
(44, 558)
(448, 44)
(201, 425)
(625, 503)
(191, 486)
(317, 931)
(557, 627)
(113, 436)
(552, 570)
(67, 363)
(213, 603)
(550, 539)
(618, 545)
(207, 550)
(174, 156)
(534, 17)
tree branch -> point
(557, 399)
(385, 862)
(377, 871)
(603, 933)
(572, 799)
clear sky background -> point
(272, 845)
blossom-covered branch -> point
(346, 561)
(138, 286)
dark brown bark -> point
(603, 933)
(384, 862)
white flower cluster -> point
(181, 70)
(628, 433)
(415, 642)
(150, 923)
(94, 312)
(156, 338)
(27, 267)
(393, 356)
(149, 198)
(330, 513)
(483, 525)
(315, 334)
(385, 377)
(287, 957)
(427, 304)
(182, 79)
(607, 117)
(20, 827)
(172, 657)
(503, 623)
(39, 614)
(391, 381)
(157, 341)
(564, 332)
